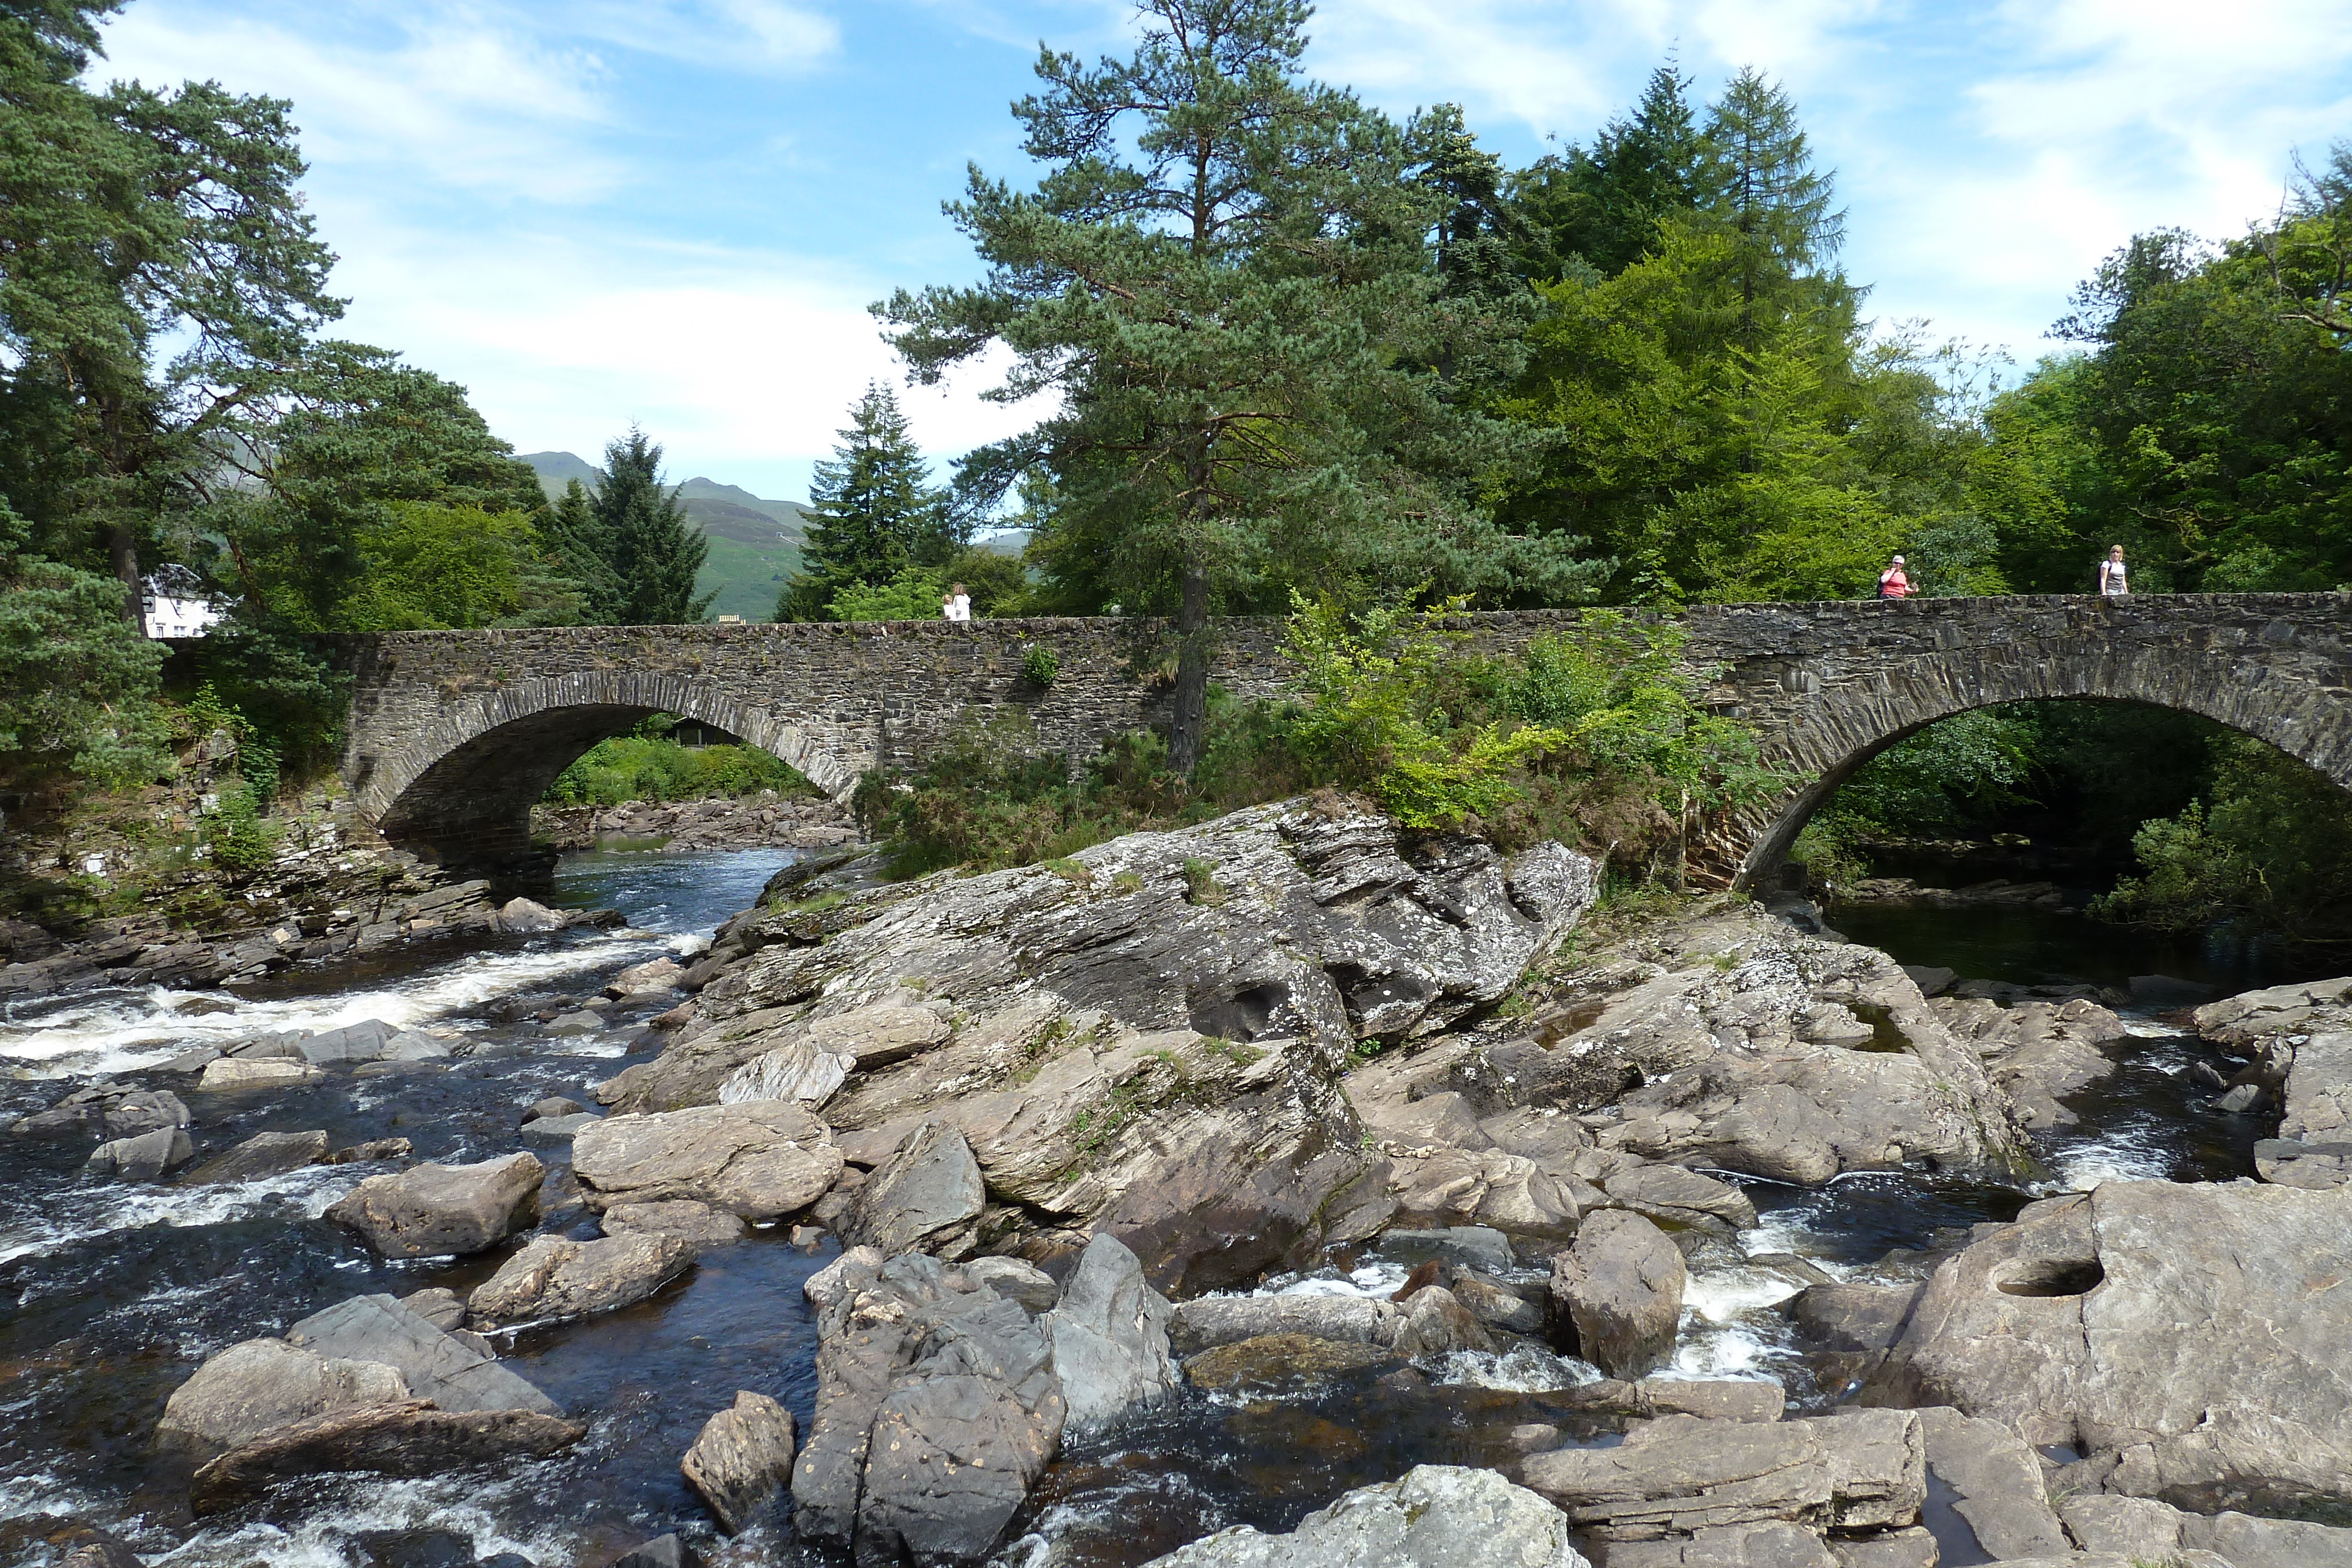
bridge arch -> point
(462, 787)
(2252, 687)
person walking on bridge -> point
(1895, 582)
(2113, 583)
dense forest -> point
(1296, 347)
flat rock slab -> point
(230, 1074)
(696, 1224)
(437, 1365)
(261, 1384)
(409, 1438)
(1275, 1361)
(558, 1129)
(1679, 1474)
(759, 1159)
(1733, 1546)
(1206, 1321)
(263, 1156)
(1437, 1516)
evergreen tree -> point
(653, 551)
(576, 543)
(1601, 208)
(873, 511)
(1764, 188)
(1226, 276)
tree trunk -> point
(122, 554)
(1184, 736)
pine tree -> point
(873, 511)
(576, 541)
(653, 551)
(1226, 279)
(1602, 208)
(1766, 189)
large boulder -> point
(368, 1351)
(441, 1211)
(762, 1159)
(1736, 1042)
(2039, 1051)
(1678, 1475)
(1620, 1290)
(2300, 1040)
(554, 1277)
(1206, 1321)
(1144, 1038)
(143, 1157)
(2147, 1530)
(937, 1409)
(1437, 1516)
(1109, 1336)
(408, 1438)
(2189, 1338)
(927, 1197)
(741, 1459)
(263, 1155)
(107, 1109)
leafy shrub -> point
(235, 834)
(1039, 665)
(650, 766)
(912, 595)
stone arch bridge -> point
(454, 734)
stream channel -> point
(111, 1293)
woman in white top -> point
(2112, 580)
(959, 606)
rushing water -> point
(115, 1293)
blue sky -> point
(675, 211)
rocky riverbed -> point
(1284, 1190)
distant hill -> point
(754, 543)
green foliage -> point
(233, 833)
(1040, 666)
(649, 766)
(1386, 715)
(874, 516)
(1599, 209)
(436, 567)
(653, 551)
(1964, 770)
(912, 595)
(2270, 851)
(78, 681)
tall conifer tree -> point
(653, 551)
(873, 511)
(1602, 206)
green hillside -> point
(754, 542)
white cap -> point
(1898, 560)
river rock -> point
(937, 1409)
(455, 1372)
(1459, 1246)
(408, 1438)
(741, 1459)
(1498, 1306)
(2147, 1530)
(1721, 1398)
(661, 1552)
(554, 1105)
(927, 1196)
(1771, 1545)
(1123, 1052)
(1913, 1548)
(1437, 1516)
(442, 1308)
(1679, 1474)
(1619, 1289)
(1736, 1042)
(1281, 1361)
(521, 916)
(642, 979)
(2289, 1162)
(554, 1277)
(1437, 1324)
(696, 1224)
(559, 1129)
(1678, 1197)
(263, 1156)
(1996, 1483)
(231, 1075)
(760, 1159)
(107, 1110)
(261, 1384)
(1109, 1336)
(144, 1157)
(1846, 1330)
(1207, 1322)
(87, 1547)
(1485, 1189)
(2039, 1051)
(1021, 1281)
(2188, 1337)
(440, 1211)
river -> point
(115, 1292)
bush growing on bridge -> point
(650, 766)
(1595, 735)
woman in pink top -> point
(1895, 582)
